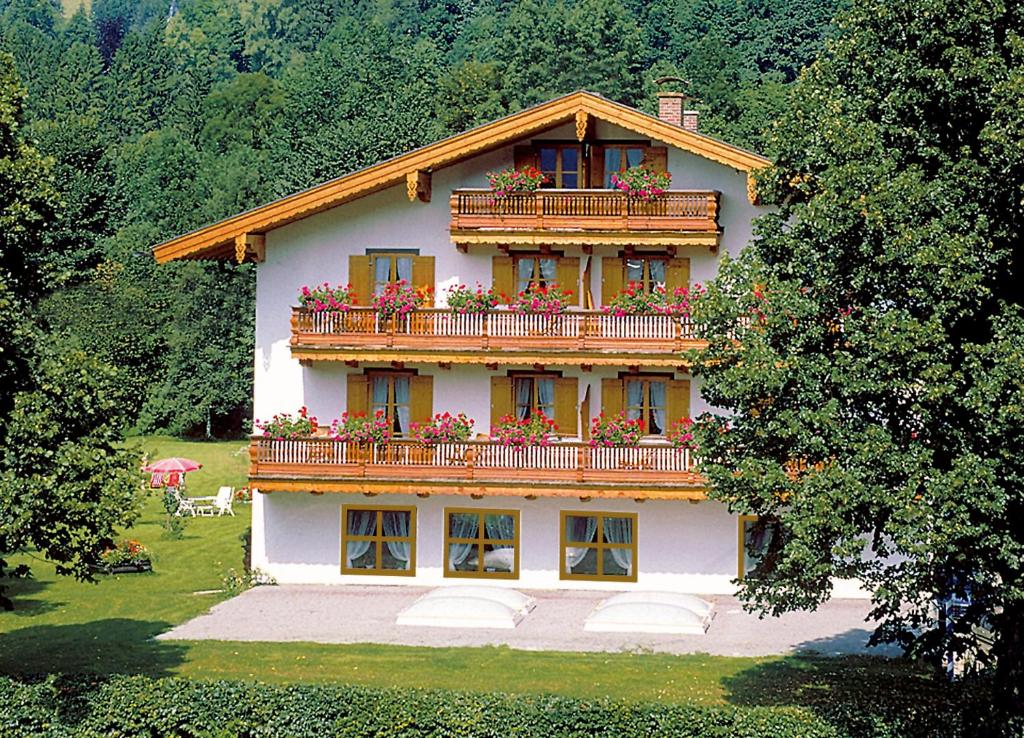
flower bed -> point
(284, 425)
(400, 298)
(549, 301)
(326, 298)
(537, 430)
(443, 428)
(463, 300)
(634, 300)
(616, 430)
(640, 183)
(128, 556)
(512, 181)
(358, 428)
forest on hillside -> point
(163, 115)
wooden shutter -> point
(501, 398)
(421, 398)
(596, 166)
(677, 274)
(677, 400)
(611, 396)
(611, 278)
(523, 157)
(568, 276)
(503, 276)
(567, 405)
(358, 394)
(423, 275)
(655, 159)
(359, 279)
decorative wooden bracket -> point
(752, 195)
(582, 123)
(417, 186)
(252, 246)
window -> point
(619, 158)
(599, 546)
(754, 542)
(563, 165)
(646, 400)
(390, 268)
(533, 272)
(389, 393)
(646, 271)
(378, 540)
(481, 543)
(534, 393)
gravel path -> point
(364, 614)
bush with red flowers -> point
(537, 430)
(640, 183)
(513, 181)
(680, 434)
(443, 428)
(634, 300)
(463, 300)
(326, 298)
(400, 298)
(284, 425)
(549, 301)
(359, 428)
(616, 430)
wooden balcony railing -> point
(497, 330)
(596, 210)
(609, 471)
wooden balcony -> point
(677, 218)
(572, 469)
(499, 336)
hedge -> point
(124, 706)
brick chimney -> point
(672, 110)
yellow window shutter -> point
(568, 276)
(611, 396)
(596, 164)
(567, 405)
(655, 159)
(523, 157)
(359, 279)
(677, 274)
(677, 400)
(501, 399)
(611, 278)
(358, 394)
(423, 275)
(421, 398)
(503, 276)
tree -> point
(873, 403)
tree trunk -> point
(207, 424)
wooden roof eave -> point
(216, 240)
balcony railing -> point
(496, 330)
(484, 463)
(588, 210)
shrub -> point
(634, 300)
(642, 184)
(462, 300)
(326, 298)
(283, 425)
(444, 428)
(537, 430)
(126, 553)
(358, 428)
(549, 301)
(616, 430)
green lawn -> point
(60, 625)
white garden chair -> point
(222, 502)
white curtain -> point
(379, 394)
(620, 530)
(381, 273)
(657, 408)
(524, 397)
(549, 272)
(360, 523)
(524, 274)
(397, 524)
(404, 268)
(657, 268)
(402, 403)
(500, 527)
(546, 396)
(461, 525)
(578, 529)
(634, 399)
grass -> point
(60, 625)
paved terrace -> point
(366, 614)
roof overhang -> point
(238, 235)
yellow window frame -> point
(599, 544)
(480, 541)
(379, 540)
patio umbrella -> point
(173, 464)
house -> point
(561, 514)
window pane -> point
(500, 527)
(634, 270)
(570, 159)
(570, 181)
(546, 396)
(463, 557)
(400, 423)
(548, 159)
(581, 560)
(499, 558)
(657, 271)
(362, 522)
(404, 270)
(524, 396)
(548, 270)
(612, 164)
(381, 273)
(656, 423)
(362, 555)
(634, 157)
(617, 562)
(756, 543)
(618, 530)
(524, 274)
(580, 528)
(463, 525)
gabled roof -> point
(219, 240)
